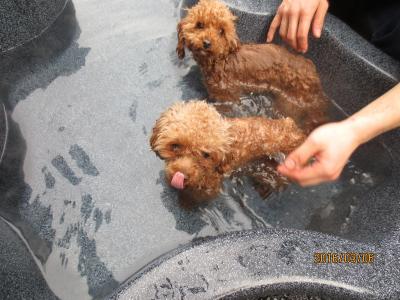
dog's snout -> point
(206, 44)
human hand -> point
(330, 146)
(294, 18)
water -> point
(251, 105)
(268, 199)
(79, 182)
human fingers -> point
(274, 26)
(302, 31)
(319, 18)
(302, 155)
(283, 28)
(317, 180)
(315, 173)
(293, 20)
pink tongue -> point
(177, 180)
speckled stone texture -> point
(23, 20)
(21, 278)
(249, 265)
(79, 183)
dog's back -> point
(259, 66)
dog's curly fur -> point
(231, 69)
(194, 139)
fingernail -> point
(290, 164)
(318, 32)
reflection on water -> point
(251, 105)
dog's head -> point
(194, 140)
(208, 30)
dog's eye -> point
(221, 31)
(199, 25)
(175, 147)
(205, 154)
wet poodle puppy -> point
(200, 147)
(231, 69)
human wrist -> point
(357, 129)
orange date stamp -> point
(344, 257)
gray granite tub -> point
(23, 21)
(85, 213)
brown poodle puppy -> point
(231, 69)
(200, 146)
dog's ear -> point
(224, 166)
(234, 43)
(180, 48)
(219, 169)
(154, 135)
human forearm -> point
(380, 116)
(332, 144)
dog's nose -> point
(206, 44)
